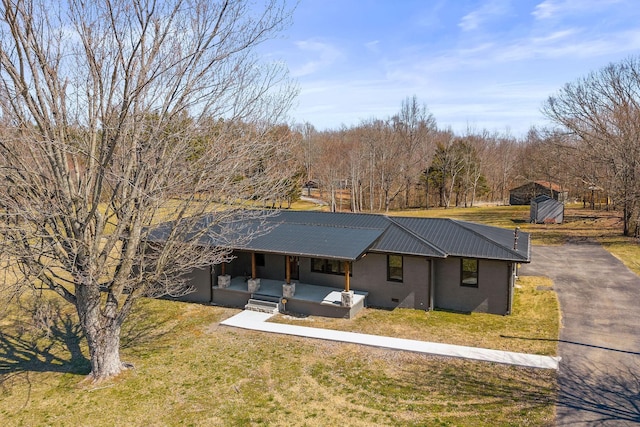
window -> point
(259, 260)
(394, 268)
(469, 272)
(329, 266)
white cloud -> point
(554, 9)
(570, 44)
(554, 36)
(547, 9)
(567, 44)
(495, 76)
(488, 10)
(324, 55)
(373, 46)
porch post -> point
(347, 295)
(224, 280)
(287, 264)
(253, 265)
(288, 288)
(347, 279)
(253, 284)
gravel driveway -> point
(599, 374)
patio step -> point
(262, 306)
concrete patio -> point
(308, 299)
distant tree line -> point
(591, 149)
(406, 161)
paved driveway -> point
(599, 374)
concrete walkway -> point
(258, 322)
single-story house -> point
(545, 210)
(523, 194)
(333, 264)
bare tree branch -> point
(120, 114)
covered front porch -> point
(306, 299)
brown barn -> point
(525, 193)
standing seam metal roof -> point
(467, 239)
(348, 236)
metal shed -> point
(545, 210)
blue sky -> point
(482, 64)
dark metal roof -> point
(320, 235)
(348, 236)
(468, 239)
(316, 241)
(398, 239)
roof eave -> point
(381, 251)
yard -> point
(191, 371)
(532, 328)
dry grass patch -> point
(626, 249)
(189, 370)
(499, 216)
(532, 328)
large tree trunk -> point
(101, 328)
(104, 348)
(626, 219)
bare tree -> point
(506, 149)
(446, 166)
(119, 114)
(413, 128)
(471, 172)
(372, 139)
(307, 152)
(603, 110)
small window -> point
(317, 265)
(329, 266)
(333, 266)
(259, 260)
(394, 268)
(469, 272)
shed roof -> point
(543, 198)
(545, 184)
(348, 236)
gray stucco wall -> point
(332, 280)
(370, 274)
(241, 266)
(491, 295)
(200, 279)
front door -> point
(294, 265)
